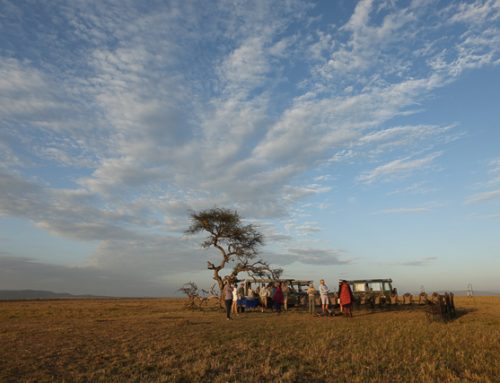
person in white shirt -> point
(250, 293)
(234, 307)
(263, 297)
(285, 289)
(323, 293)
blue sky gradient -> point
(361, 138)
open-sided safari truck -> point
(297, 288)
(372, 291)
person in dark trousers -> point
(270, 294)
(241, 295)
(278, 298)
(228, 298)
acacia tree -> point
(237, 243)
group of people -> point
(275, 295)
(344, 296)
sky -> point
(362, 140)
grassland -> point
(161, 341)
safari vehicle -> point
(297, 295)
(372, 291)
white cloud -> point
(368, 43)
(48, 119)
(494, 171)
(314, 256)
(308, 256)
(399, 167)
(296, 193)
(406, 138)
(343, 155)
(474, 12)
(494, 179)
(323, 178)
(246, 67)
(152, 257)
(405, 210)
(67, 213)
(420, 262)
(325, 43)
(409, 133)
(415, 188)
(483, 197)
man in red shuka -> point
(345, 295)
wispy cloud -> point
(483, 197)
(416, 188)
(399, 167)
(64, 212)
(420, 262)
(493, 182)
(314, 256)
(405, 210)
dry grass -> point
(160, 341)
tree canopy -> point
(237, 243)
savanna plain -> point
(160, 340)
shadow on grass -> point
(448, 317)
(359, 312)
(460, 312)
(365, 311)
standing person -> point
(263, 297)
(311, 294)
(241, 295)
(285, 288)
(323, 294)
(250, 292)
(345, 295)
(278, 298)
(228, 298)
(270, 293)
(300, 294)
(234, 306)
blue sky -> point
(361, 138)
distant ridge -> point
(8, 295)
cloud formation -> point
(494, 180)
(399, 167)
(117, 119)
(16, 271)
(420, 262)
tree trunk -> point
(220, 282)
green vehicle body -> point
(297, 295)
(372, 291)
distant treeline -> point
(37, 294)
